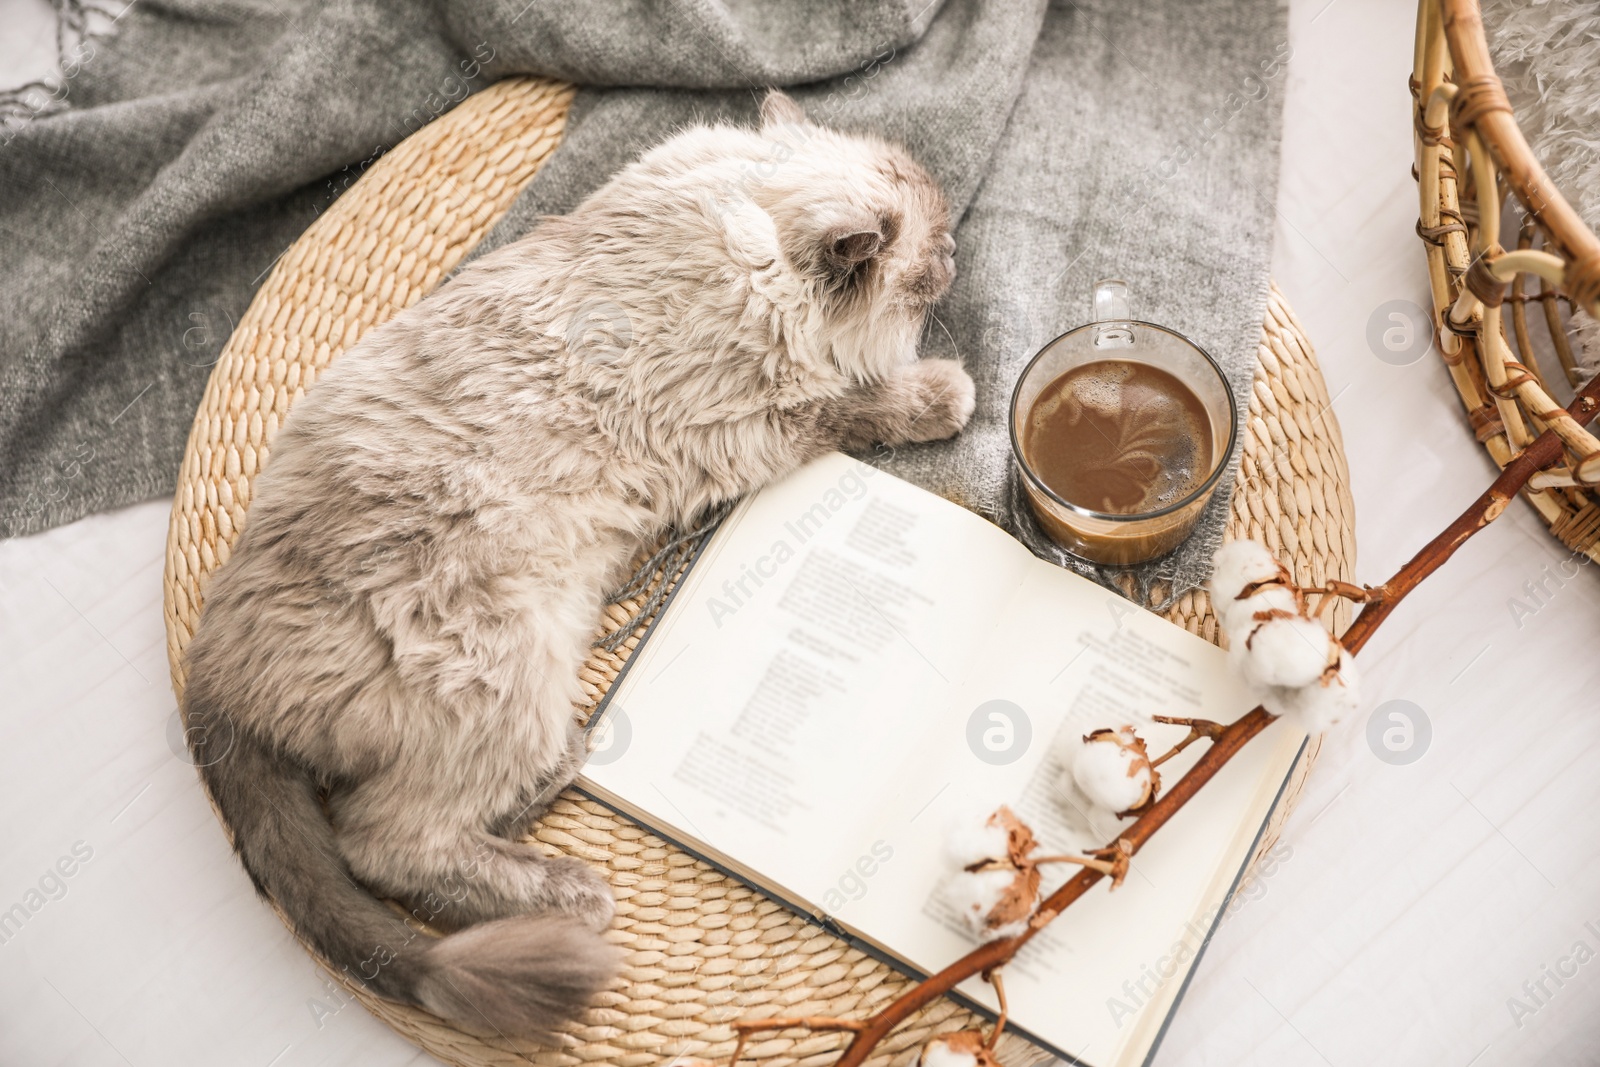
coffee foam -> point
(1138, 435)
(1101, 390)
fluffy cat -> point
(401, 623)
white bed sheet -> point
(1416, 902)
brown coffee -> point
(1118, 437)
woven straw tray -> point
(702, 949)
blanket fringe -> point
(77, 22)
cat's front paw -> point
(945, 397)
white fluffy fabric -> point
(1548, 55)
(974, 894)
(1236, 565)
(971, 838)
(1284, 652)
(1101, 770)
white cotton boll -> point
(1098, 823)
(1111, 775)
(974, 837)
(1326, 701)
(974, 895)
(1285, 652)
(1278, 702)
(964, 1048)
(1238, 564)
(940, 1054)
(1238, 617)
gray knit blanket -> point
(147, 190)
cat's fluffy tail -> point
(522, 976)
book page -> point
(797, 663)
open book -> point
(850, 662)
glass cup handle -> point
(1113, 325)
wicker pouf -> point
(702, 949)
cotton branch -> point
(1198, 729)
(995, 953)
(1333, 591)
(1227, 741)
(994, 979)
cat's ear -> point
(779, 109)
(845, 248)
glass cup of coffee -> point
(1122, 430)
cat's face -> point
(867, 224)
(862, 227)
